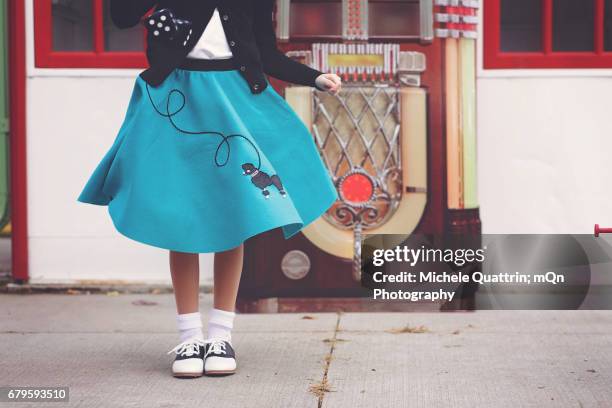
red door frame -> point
(17, 139)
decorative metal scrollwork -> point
(358, 135)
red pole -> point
(17, 139)
(599, 230)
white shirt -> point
(212, 44)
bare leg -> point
(228, 268)
(185, 272)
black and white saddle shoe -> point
(219, 358)
(189, 361)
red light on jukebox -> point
(356, 188)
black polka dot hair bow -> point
(164, 26)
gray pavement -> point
(111, 352)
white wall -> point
(544, 154)
(543, 147)
(71, 123)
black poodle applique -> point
(262, 180)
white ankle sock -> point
(190, 325)
(220, 324)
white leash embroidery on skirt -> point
(258, 177)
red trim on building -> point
(46, 57)
(494, 58)
(18, 168)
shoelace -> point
(216, 347)
(188, 348)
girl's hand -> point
(330, 82)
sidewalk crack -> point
(323, 387)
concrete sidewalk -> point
(110, 351)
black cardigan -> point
(248, 29)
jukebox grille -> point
(357, 131)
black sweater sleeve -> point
(275, 63)
(127, 13)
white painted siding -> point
(71, 124)
(544, 154)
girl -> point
(209, 155)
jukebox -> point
(399, 140)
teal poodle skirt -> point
(200, 164)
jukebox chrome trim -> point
(382, 72)
(456, 19)
(355, 19)
(426, 10)
(295, 264)
(283, 10)
(364, 119)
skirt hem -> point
(208, 249)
